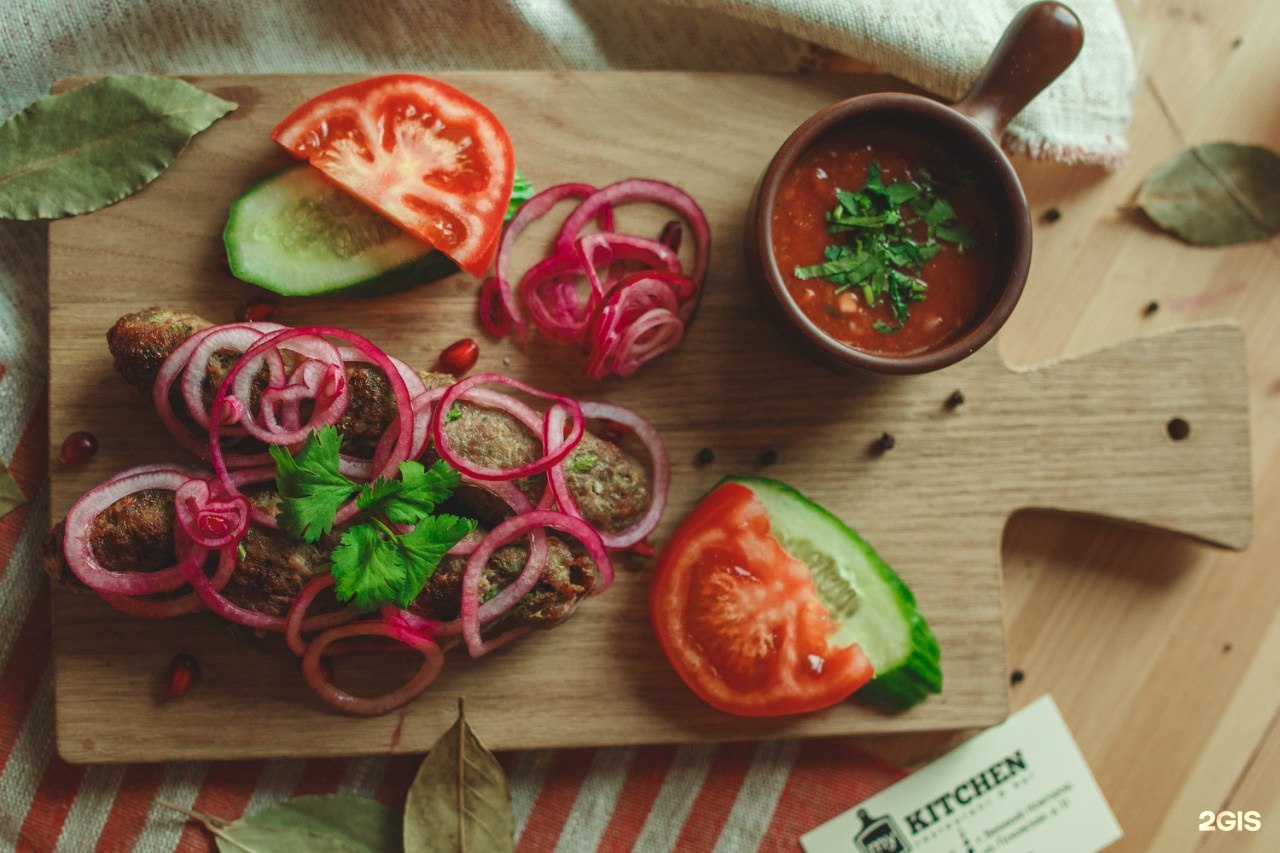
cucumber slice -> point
(875, 608)
(295, 234)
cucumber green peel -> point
(295, 234)
(874, 607)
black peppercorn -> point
(1052, 215)
(1152, 307)
(768, 457)
(705, 456)
(1016, 676)
(956, 399)
(886, 441)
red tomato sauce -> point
(958, 281)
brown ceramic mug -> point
(1039, 44)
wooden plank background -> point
(1164, 656)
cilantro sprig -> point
(891, 231)
(372, 564)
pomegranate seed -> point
(257, 310)
(672, 233)
(642, 548)
(78, 448)
(459, 356)
(184, 672)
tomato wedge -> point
(427, 156)
(740, 619)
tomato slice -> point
(740, 619)
(427, 156)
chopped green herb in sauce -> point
(890, 232)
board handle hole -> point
(1178, 429)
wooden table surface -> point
(1164, 655)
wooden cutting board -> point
(1084, 436)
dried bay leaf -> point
(459, 802)
(11, 497)
(329, 823)
(85, 149)
(247, 838)
(361, 825)
(1216, 194)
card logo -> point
(879, 835)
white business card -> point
(1019, 787)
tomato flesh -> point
(740, 618)
(427, 156)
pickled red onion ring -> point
(485, 472)
(509, 596)
(349, 703)
(644, 189)
(661, 468)
(298, 611)
(362, 469)
(498, 287)
(236, 337)
(144, 608)
(551, 293)
(620, 247)
(331, 411)
(208, 522)
(78, 549)
(557, 485)
(224, 607)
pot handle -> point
(1041, 41)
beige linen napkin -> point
(941, 45)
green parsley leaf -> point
(857, 266)
(368, 569)
(873, 177)
(521, 191)
(901, 192)
(371, 564)
(455, 412)
(957, 234)
(418, 491)
(311, 487)
(939, 213)
(926, 252)
(845, 222)
(884, 328)
(853, 203)
(421, 550)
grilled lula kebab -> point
(180, 359)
